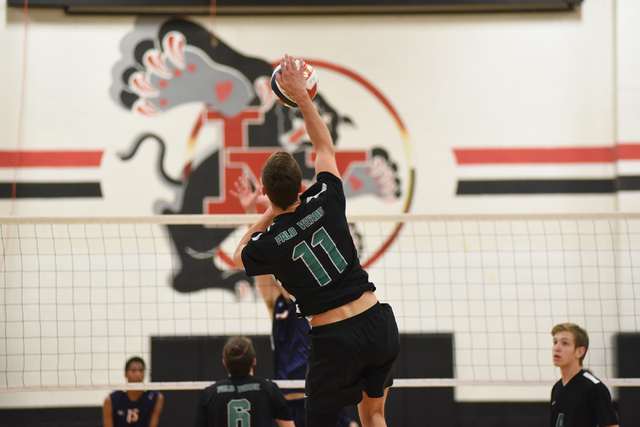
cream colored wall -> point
(457, 81)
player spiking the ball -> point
(304, 241)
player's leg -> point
(322, 420)
(296, 408)
(333, 379)
(345, 421)
(371, 410)
(384, 346)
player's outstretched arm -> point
(292, 81)
(157, 410)
(107, 413)
(261, 225)
(249, 200)
(270, 290)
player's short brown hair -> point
(238, 355)
(281, 179)
(580, 336)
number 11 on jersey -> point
(322, 238)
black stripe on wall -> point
(50, 190)
(549, 186)
(628, 183)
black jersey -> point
(583, 402)
(128, 413)
(311, 250)
(247, 401)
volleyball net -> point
(81, 295)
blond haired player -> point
(578, 399)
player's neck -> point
(568, 372)
(134, 394)
(250, 374)
(278, 211)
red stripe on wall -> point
(629, 151)
(479, 156)
(56, 159)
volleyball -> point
(312, 85)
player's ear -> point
(580, 352)
(255, 361)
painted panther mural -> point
(173, 62)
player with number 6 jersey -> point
(242, 400)
(305, 242)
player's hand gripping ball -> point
(312, 85)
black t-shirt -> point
(249, 400)
(583, 402)
(130, 413)
(311, 250)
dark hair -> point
(238, 355)
(281, 179)
(134, 360)
(580, 336)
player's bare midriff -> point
(362, 304)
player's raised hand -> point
(292, 80)
(249, 198)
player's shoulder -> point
(327, 187)
(327, 175)
(329, 178)
(591, 382)
(260, 380)
(116, 394)
(589, 378)
(265, 383)
(152, 394)
(214, 387)
(282, 305)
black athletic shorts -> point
(351, 356)
(296, 407)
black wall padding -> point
(628, 361)
(200, 359)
